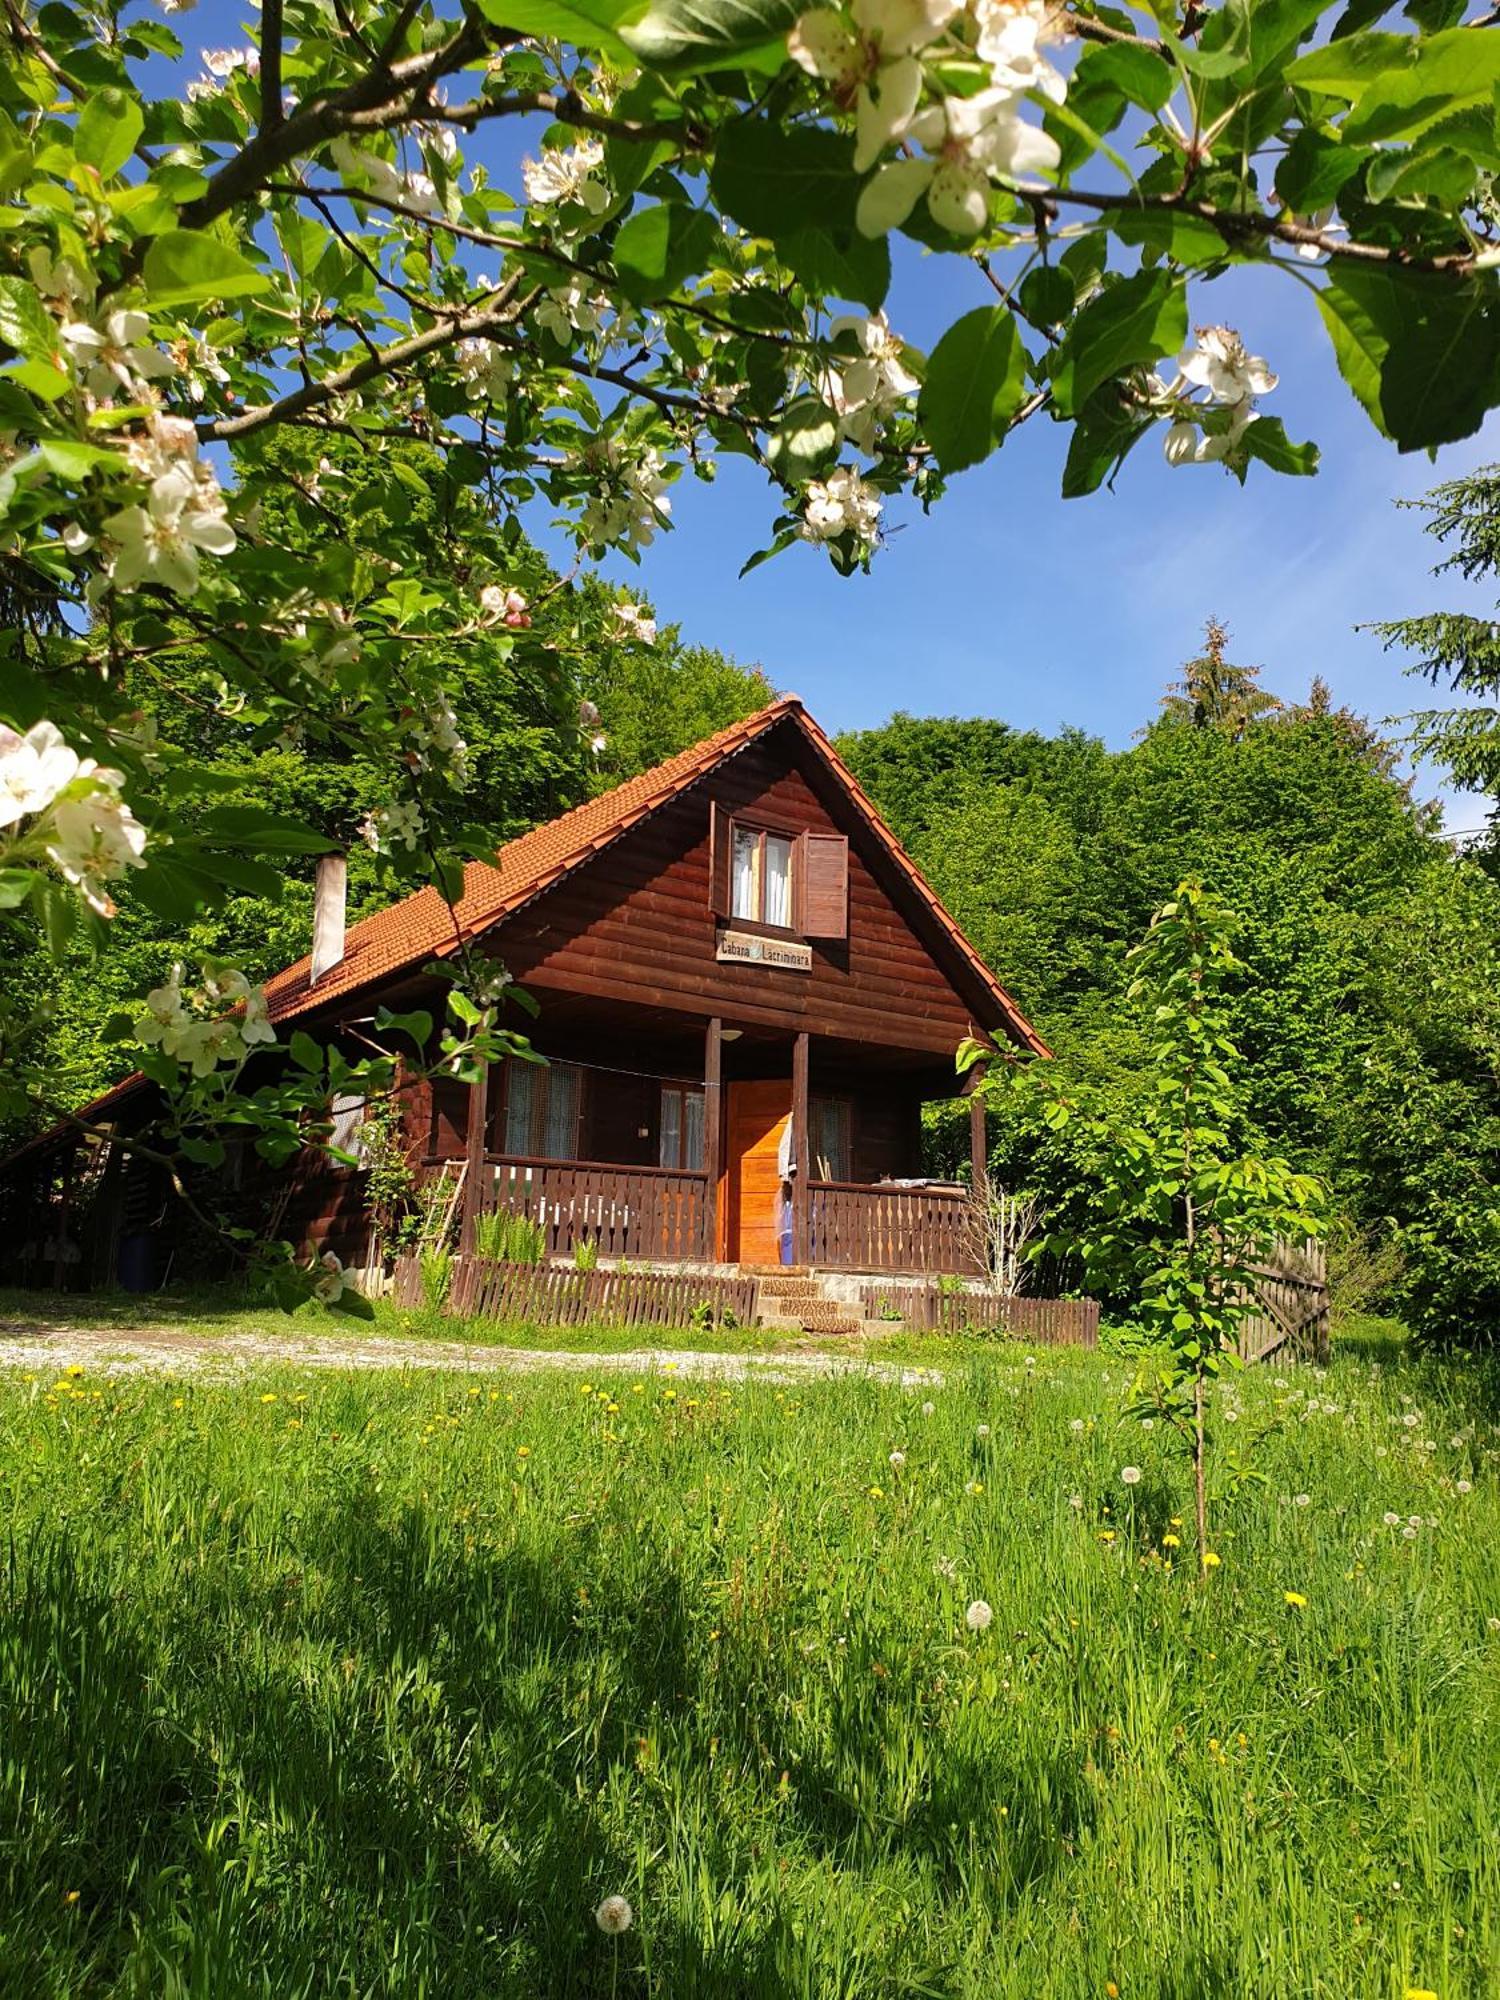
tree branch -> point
(1233, 227)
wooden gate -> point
(1292, 1293)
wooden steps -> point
(793, 1300)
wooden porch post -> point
(979, 1151)
(479, 1115)
(713, 1063)
(802, 1150)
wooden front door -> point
(757, 1115)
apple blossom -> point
(842, 504)
(487, 368)
(628, 501)
(334, 1280)
(559, 177)
(33, 770)
(967, 140)
(1012, 35)
(1220, 364)
(865, 389)
(632, 621)
(118, 355)
(96, 838)
(159, 543)
(508, 607)
(873, 60)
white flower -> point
(864, 389)
(159, 543)
(1391, 1520)
(633, 621)
(334, 1282)
(842, 504)
(1302, 1500)
(563, 177)
(628, 501)
(222, 65)
(255, 1024)
(981, 1431)
(1411, 1420)
(588, 714)
(898, 1459)
(946, 1567)
(499, 603)
(164, 1014)
(569, 309)
(1220, 364)
(486, 367)
(399, 824)
(1414, 1520)
(929, 1409)
(1076, 1426)
(979, 1616)
(874, 61)
(1130, 1475)
(1012, 35)
(116, 355)
(1463, 1486)
(1075, 1501)
(95, 839)
(614, 1915)
(33, 770)
(1408, 1534)
(967, 140)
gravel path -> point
(163, 1350)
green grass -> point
(319, 1685)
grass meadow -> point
(377, 1685)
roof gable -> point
(423, 927)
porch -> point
(780, 1150)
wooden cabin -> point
(746, 990)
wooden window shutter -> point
(718, 859)
(825, 885)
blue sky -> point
(1009, 601)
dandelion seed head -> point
(1130, 1475)
(979, 1616)
(614, 1915)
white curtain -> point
(744, 901)
(560, 1137)
(778, 881)
(692, 1151)
(671, 1128)
(520, 1095)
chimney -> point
(330, 893)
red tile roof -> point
(408, 934)
(422, 927)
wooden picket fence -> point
(557, 1295)
(933, 1308)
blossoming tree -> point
(694, 260)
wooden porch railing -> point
(855, 1227)
(650, 1212)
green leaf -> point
(1267, 440)
(15, 886)
(1107, 428)
(306, 1053)
(587, 24)
(1421, 353)
(1134, 322)
(71, 459)
(806, 441)
(658, 247)
(1313, 170)
(25, 323)
(976, 381)
(1047, 296)
(707, 34)
(185, 266)
(1187, 239)
(777, 182)
(108, 128)
(1348, 67)
(629, 162)
(842, 265)
(1444, 74)
(1139, 76)
(261, 832)
(416, 1026)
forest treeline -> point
(1369, 1013)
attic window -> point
(761, 877)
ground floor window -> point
(829, 1143)
(681, 1144)
(542, 1107)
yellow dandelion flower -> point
(76, 1369)
(1171, 1541)
(585, 1388)
(1295, 1599)
(72, 1896)
(669, 1395)
(1111, 1989)
(1419, 1993)
(177, 1402)
(523, 1451)
(268, 1398)
(637, 1388)
(1106, 1534)
(1210, 1560)
(876, 1494)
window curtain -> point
(692, 1150)
(743, 901)
(541, 1111)
(778, 881)
(670, 1151)
(560, 1130)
